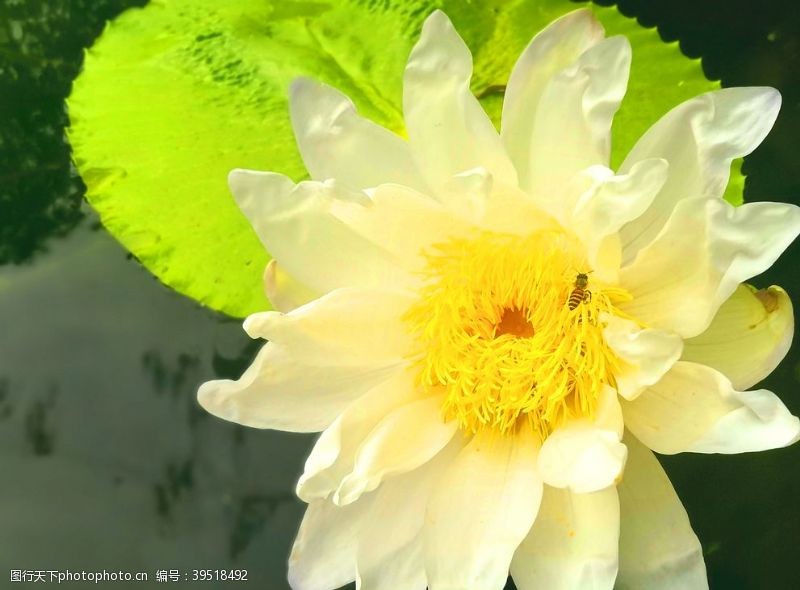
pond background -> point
(107, 461)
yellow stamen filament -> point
(496, 334)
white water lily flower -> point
(471, 388)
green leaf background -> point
(175, 95)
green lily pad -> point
(175, 95)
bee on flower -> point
(580, 293)
(486, 409)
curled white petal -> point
(657, 548)
(335, 142)
(586, 455)
(467, 194)
(572, 129)
(447, 127)
(699, 138)
(391, 212)
(748, 337)
(281, 392)
(324, 552)
(554, 48)
(407, 438)
(295, 224)
(333, 455)
(284, 292)
(351, 326)
(645, 354)
(573, 544)
(694, 408)
(611, 201)
(707, 248)
(468, 542)
(390, 551)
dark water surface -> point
(107, 462)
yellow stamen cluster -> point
(496, 333)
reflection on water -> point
(41, 49)
(6, 409)
(39, 427)
(230, 367)
(179, 477)
(252, 513)
(169, 379)
(107, 460)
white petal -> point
(550, 51)
(657, 548)
(329, 461)
(611, 202)
(352, 326)
(477, 199)
(284, 292)
(573, 543)
(336, 142)
(407, 438)
(748, 337)
(699, 138)
(582, 459)
(644, 354)
(572, 129)
(694, 408)
(380, 533)
(324, 553)
(281, 391)
(617, 199)
(509, 210)
(403, 568)
(296, 226)
(390, 549)
(404, 222)
(480, 511)
(448, 130)
(467, 194)
(586, 456)
(466, 203)
(706, 249)
(334, 453)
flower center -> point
(510, 333)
